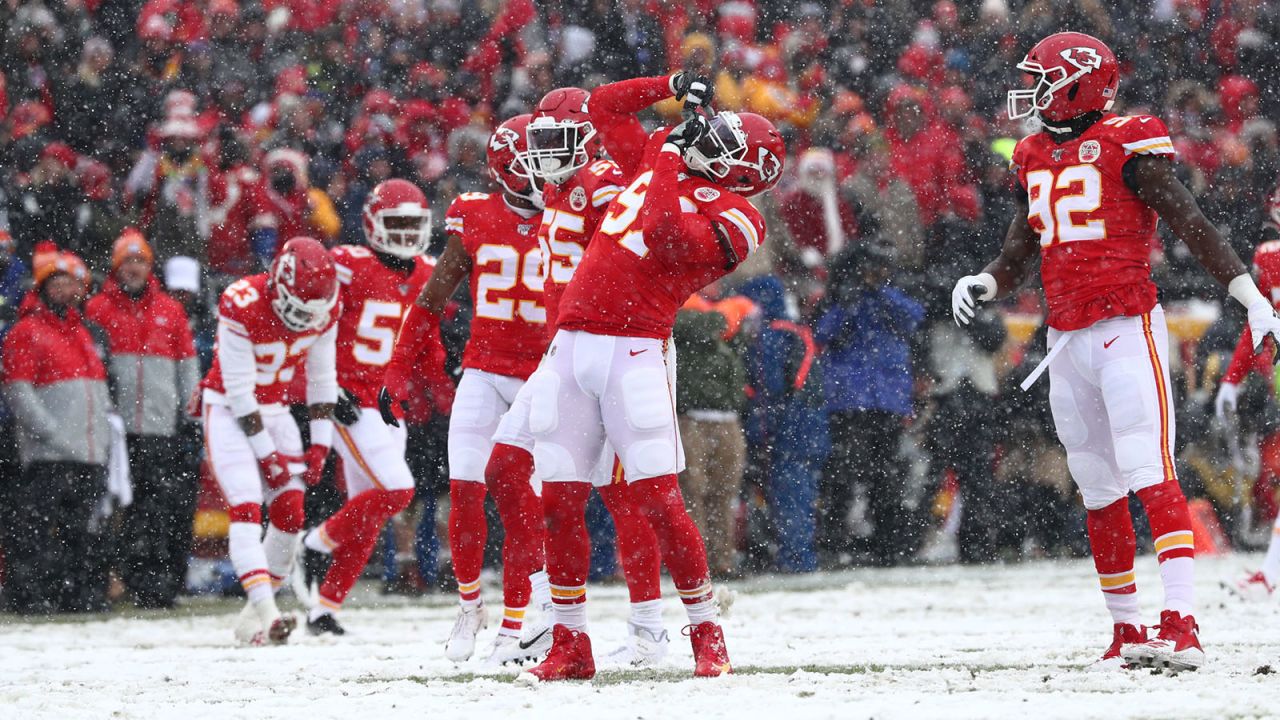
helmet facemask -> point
(723, 147)
(403, 231)
(557, 148)
(302, 315)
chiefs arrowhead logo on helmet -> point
(506, 159)
(303, 285)
(1074, 74)
(724, 154)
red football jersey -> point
(622, 288)
(1266, 268)
(279, 352)
(508, 326)
(374, 300)
(1096, 235)
(574, 210)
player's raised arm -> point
(613, 109)
(1152, 179)
(667, 229)
(1004, 274)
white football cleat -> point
(644, 648)
(1176, 647)
(1253, 587)
(262, 624)
(529, 647)
(248, 626)
(462, 639)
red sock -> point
(468, 530)
(681, 544)
(1170, 520)
(637, 544)
(568, 545)
(355, 529)
(507, 476)
(1113, 544)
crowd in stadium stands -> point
(152, 152)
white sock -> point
(314, 540)
(700, 603)
(278, 546)
(1178, 575)
(1123, 607)
(1271, 563)
(648, 615)
(244, 545)
(572, 616)
(541, 595)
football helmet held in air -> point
(741, 152)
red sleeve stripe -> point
(739, 219)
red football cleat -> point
(1176, 647)
(1125, 634)
(710, 656)
(569, 657)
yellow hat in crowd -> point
(131, 243)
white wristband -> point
(1246, 292)
(321, 432)
(262, 444)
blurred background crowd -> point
(833, 414)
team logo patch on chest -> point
(1090, 151)
(706, 194)
(578, 199)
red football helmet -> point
(561, 138)
(1075, 74)
(303, 284)
(396, 219)
(742, 152)
(507, 149)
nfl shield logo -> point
(1057, 155)
(524, 228)
(1090, 151)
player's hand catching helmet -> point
(968, 292)
(688, 133)
(696, 91)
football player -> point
(577, 187)
(493, 239)
(378, 282)
(1092, 184)
(269, 326)
(682, 222)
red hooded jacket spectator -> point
(152, 359)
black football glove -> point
(347, 410)
(384, 407)
(696, 91)
(688, 133)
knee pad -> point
(553, 462)
(646, 399)
(1093, 476)
(286, 512)
(650, 458)
(544, 412)
(245, 513)
(468, 455)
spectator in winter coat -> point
(709, 396)
(55, 384)
(864, 333)
(788, 422)
(153, 371)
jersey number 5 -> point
(375, 341)
(1054, 218)
(623, 214)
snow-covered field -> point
(953, 642)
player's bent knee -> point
(544, 415)
(645, 399)
(1094, 477)
(468, 455)
(649, 458)
(553, 462)
(286, 512)
(245, 513)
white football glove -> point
(1263, 322)
(968, 291)
(1225, 402)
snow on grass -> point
(953, 642)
